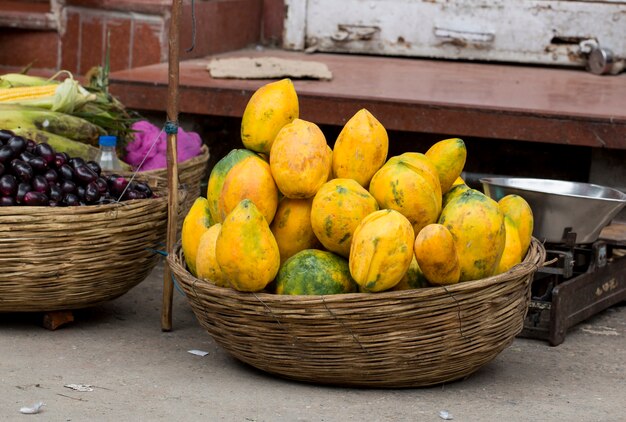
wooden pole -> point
(172, 159)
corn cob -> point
(15, 116)
(11, 80)
(65, 97)
(27, 93)
(92, 104)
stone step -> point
(27, 15)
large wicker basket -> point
(58, 258)
(406, 338)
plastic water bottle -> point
(107, 156)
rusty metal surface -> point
(524, 103)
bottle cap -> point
(108, 140)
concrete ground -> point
(139, 373)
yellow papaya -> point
(381, 250)
(436, 255)
(250, 178)
(422, 165)
(477, 226)
(246, 249)
(300, 159)
(402, 186)
(360, 149)
(449, 157)
(455, 191)
(521, 216)
(271, 107)
(207, 267)
(292, 227)
(337, 208)
(413, 279)
(330, 168)
(218, 175)
(512, 253)
(196, 223)
(458, 181)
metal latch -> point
(354, 33)
(460, 37)
(599, 255)
(601, 60)
(564, 265)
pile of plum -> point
(35, 174)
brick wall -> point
(21, 47)
(28, 34)
(138, 33)
(135, 39)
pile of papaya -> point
(288, 214)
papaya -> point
(314, 272)
(271, 107)
(196, 223)
(207, 267)
(381, 250)
(300, 159)
(521, 216)
(337, 209)
(413, 279)
(422, 165)
(403, 186)
(330, 168)
(436, 255)
(249, 178)
(458, 181)
(477, 226)
(218, 175)
(449, 157)
(512, 254)
(361, 148)
(455, 190)
(246, 250)
(292, 227)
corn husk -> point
(91, 103)
(14, 116)
(16, 80)
(68, 97)
(59, 143)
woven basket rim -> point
(78, 209)
(534, 259)
(199, 159)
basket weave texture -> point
(58, 258)
(410, 338)
(191, 174)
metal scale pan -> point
(589, 275)
(561, 207)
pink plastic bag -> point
(189, 145)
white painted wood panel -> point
(526, 31)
